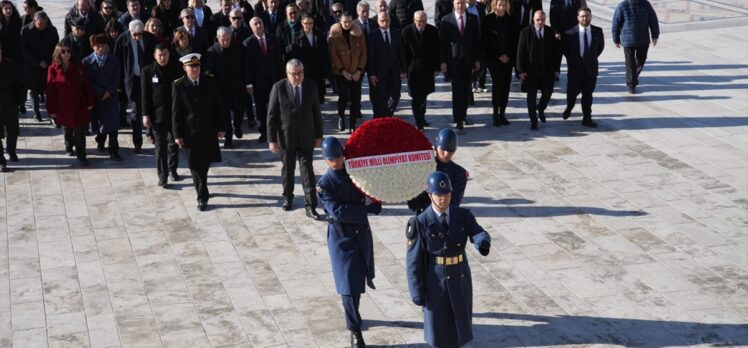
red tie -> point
(462, 26)
(262, 47)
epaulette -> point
(209, 74)
(179, 80)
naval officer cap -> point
(190, 59)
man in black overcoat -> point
(11, 95)
(420, 59)
(198, 122)
(310, 46)
(38, 40)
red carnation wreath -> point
(388, 159)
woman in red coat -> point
(70, 99)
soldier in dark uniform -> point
(156, 81)
(11, 95)
(437, 268)
(349, 239)
(446, 146)
(197, 122)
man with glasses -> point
(367, 24)
(582, 45)
(109, 12)
(197, 122)
(294, 130)
(420, 59)
(310, 46)
(198, 36)
(134, 49)
(272, 17)
(337, 11)
(287, 31)
(221, 18)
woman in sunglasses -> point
(108, 11)
(70, 100)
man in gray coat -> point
(294, 128)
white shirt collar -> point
(438, 214)
(457, 17)
(581, 28)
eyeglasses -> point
(108, 8)
(337, 12)
(292, 13)
(137, 34)
(307, 23)
(189, 17)
(64, 51)
(236, 18)
(295, 74)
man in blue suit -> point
(384, 67)
(437, 268)
(349, 238)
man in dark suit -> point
(199, 38)
(523, 11)
(460, 41)
(420, 58)
(272, 16)
(134, 11)
(156, 81)
(383, 67)
(288, 30)
(197, 122)
(563, 14)
(294, 130)
(225, 61)
(263, 57)
(310, 47)
(221, 18)
(92, 21)
(441, 9)
(134, 49)
(538, 64)
(404, 10)
(367, 24)
(381, 6)
(582, 45)
(239, 32)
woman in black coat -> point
(500, 49)
(38, 40)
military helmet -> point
(439, 183)
(331, 148)
(447, 140)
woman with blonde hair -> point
(154, 26)
(70, 99)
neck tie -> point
(445, 226)
(586, 43)
(196, 84)
(386, 38)
(363, 24)
(272, 19)
(540, 34)
(462, 26)
(262, 46)
(297, 96)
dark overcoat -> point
(349, 239)
(155, 83)
(445, 291)
(12, 93)
(104, 78)
(229, 68)
(419, 56)
(37, 46)
(123, 51)
(197, 117)
(316, 59)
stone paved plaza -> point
(633, 234)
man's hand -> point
(106, 95)
(356, 75)
(250, 90)
(654, 42)
(180, 142)
(558, 36)
(504, 58)
(418, 301)
(444, 67)
(556, 74)
(146, 121)
(618, 45)
(403, 76)
(274, 148)
(522, 76)
(89, 108)
(347, 76)
(317, 142)
(477, 66)
(373, 81)
(43, 65)
(221, 135)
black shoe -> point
(238, 133)
(496, 122)
(588, 122)
(38, 117)
(263, 139)
(137, 151)
(174, 176)
(341, 123)
(541, 115)
(100, 148)
(459, 126)
(13, 157)
(202, 205)
(534, 126)
(69, 151)
(228, 145)
(311, 212)
(425, 123)
(287, 204)
(467, 121)
(4, 169)
(252, 123)
(566, 114)
(22, 109)
(115, 157)
(503, 120)
(83, 161)
(357, 339)
(632, 89)
(163, 184)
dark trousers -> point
(479, 76)
(262, 98)
(586, 85)
(320, 83)
(166, 151)
(11, 131)
(136, 118)
(418, 105)
(386, 95)
(250, 110)
(200, 180)
(76, 138)
(352, 316)
(635, 59)
(123, 100)
(349, 92)
(543, 83)
(461, 75)
(288, 158)
(113, 147)
(234, 118)
(36, 95)
(501, 75)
